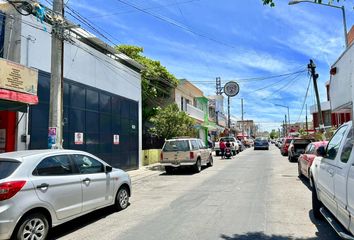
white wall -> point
(83, 64)
(341, 83)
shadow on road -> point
(305, 181)
(181, 171)
(81, 222)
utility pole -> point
(56, 80)
(307, 126)
(228, 113)
(312, 68)
(286, 127)
(242, 126)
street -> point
(256, 195)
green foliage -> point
(170, 122)
(272, 4)
(157, 81)
(274, 134)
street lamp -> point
(328, 5)
(279, 105)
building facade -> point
(101, 92)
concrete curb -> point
(146, 172)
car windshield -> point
(7, 167)
(177, 145)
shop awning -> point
(12, 106)
(212, 126)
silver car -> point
(40, 189)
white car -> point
(332, 179)
(235, 148)
(40, 189)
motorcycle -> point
(228, 153)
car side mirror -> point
(108, 169)
(321, 151)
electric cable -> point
(305, 98)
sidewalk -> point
(145, 172)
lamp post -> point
(328, 5)
(279, 105)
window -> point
(195, 145)
(87, 165)
(180, 145)
(182, 104)
(53, 166)
(7, 168)
(333, 145)
(201, 144)
(347, 149)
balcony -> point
(195, 113)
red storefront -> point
(18, 90)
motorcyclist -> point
(222, 148)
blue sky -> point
(242, 39)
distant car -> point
(305, 160)
(185, 152)
(235, 148)
(285, 145)
(40, 189)
(241, 145)
(261, 144)
(297, 147)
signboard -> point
(52, 137)
(79, 138)
(19, 78)
(115, 139)
(231, 89)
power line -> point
(305, 98)
(176, 24)
(150, 8)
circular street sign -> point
(231, 89)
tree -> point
(274, 134)
(272, 4)
(156, 81)
(170, 122)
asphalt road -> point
(256, 195)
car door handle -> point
(331, 172)
(43, 186)
(86, 180)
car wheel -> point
(33, 226)
(198, 166)
(168, 169)
(234, 152)
(122, 198)
(316, 204)
(211, 161)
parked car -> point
(261, 143)
(297, 147)
(40, 189)
(182, 152)
(241, 145)
(332, 178)
(285, 145)
(235, 148)
(305, 160)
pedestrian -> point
(222, 148)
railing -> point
(195, 112)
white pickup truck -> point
(332, 181)
(235, 148)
